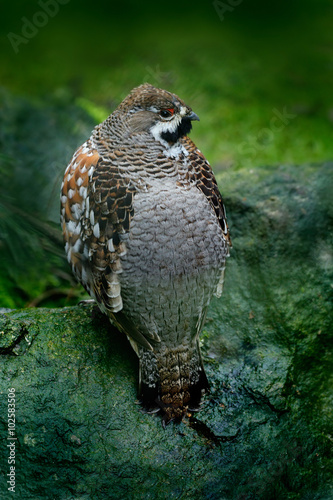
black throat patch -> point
(183, 129)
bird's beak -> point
(193, 116)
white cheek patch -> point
(161, 127)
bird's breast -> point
(174, 231)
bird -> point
(145, 233)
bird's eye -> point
(167, 113)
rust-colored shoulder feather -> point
(96, 213)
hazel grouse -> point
(146, 234)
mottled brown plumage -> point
(146, 235)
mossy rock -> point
(265, 429)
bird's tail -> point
(172, 380)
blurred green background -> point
(259, 74)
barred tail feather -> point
(172, 380)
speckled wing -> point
(96, 212)
(201, 173)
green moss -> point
(265, 428)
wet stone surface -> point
(265, 430)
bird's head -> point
(162, 114)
